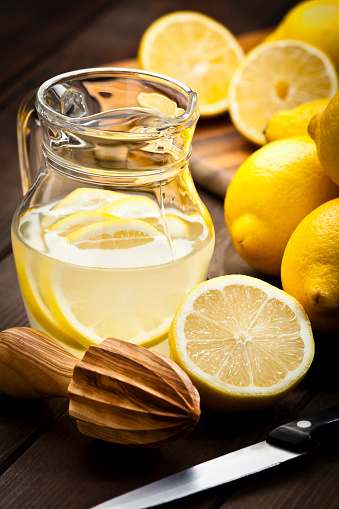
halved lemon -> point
(244, 343)
(275, 76)
(196, 50)
(92, 303)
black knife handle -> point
(305, 434)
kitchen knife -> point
(287, 442)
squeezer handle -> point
(33, 365)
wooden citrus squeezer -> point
(119, 392)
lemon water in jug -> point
(111, 233)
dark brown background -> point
(44, 460)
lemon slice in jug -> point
(68, 224)
(29, 277)
(80, 200)
(92, 301)
(132, 207)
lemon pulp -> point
(195, 49)
(274, 76)
(243, 342)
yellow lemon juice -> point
(107, 264)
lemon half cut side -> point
(244, 343)
(196, 50)
(278, 75)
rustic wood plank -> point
(71, 467)
(22, 422)
(26, 24)
(12, 311)
(47, 462)
(293, 484)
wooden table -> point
(44, 460)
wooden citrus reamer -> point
(119, 392)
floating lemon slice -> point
(29, 277)
(195, 49)
(92, 303)
(177, 227)
(275, 76)
(80, 200)
(73, 222)
(113, 234)
(244, 343)
(132, 207)
(159, 102)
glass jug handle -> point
(29, 141)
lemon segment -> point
(196, 50)
(277, 75)
(244, 343)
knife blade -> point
(287, 442)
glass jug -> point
(111, 233)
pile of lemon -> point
(272, 93)
(297, 63)
(245, 343)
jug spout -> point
(95, 121)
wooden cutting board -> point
(218, 148)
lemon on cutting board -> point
(310, 266)
(272, 191)
(315, 22)
(196, 50)
(245, 344)
(293, 122)
(324, 129)
(274, 76)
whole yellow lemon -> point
(310, 266)
(315, 22)
(293, 122)
(324, 129)
(272, 191)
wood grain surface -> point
(44, 460)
